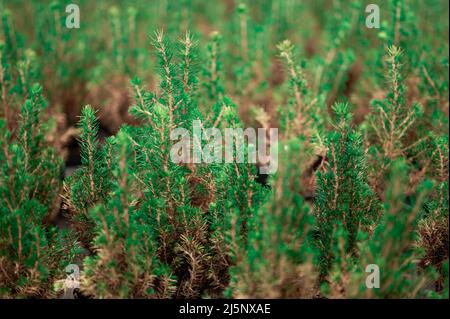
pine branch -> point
(343, 194)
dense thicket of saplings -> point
(362, 175)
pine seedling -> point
(433, 227)
(434, 84)
(271, 259)
(179, 193)
(235, 200)
(116, 36)
(212, 73)
(343, 194)
(243, 60)
(8, 56)
(54, 42)
(89, 184)
(18, 63)
(243, 189)
(124, 38)
(436, 168)
(189, 69)
(178, 16)
(125, 265)
(443, 284)
(172, 196)
(67, 58)
(433, 240)
(39, 159)
(32, 253)
(28, 71)
(9, 36)
(332, 69)
(4, 82)
(401, 31)
(296, 117)
(391, 247)
(402, 23)
(242, 12)
(18, 71)
(392, 118)
(16, 83)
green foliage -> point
(212, 71)
(275, 250)
(32, 252)
(91, 183)
(297, 113)
(368, 187)
(344, 196)
(169, 202)
(392, 244)
(125, 264)
(392, 118)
